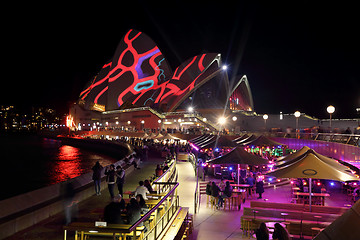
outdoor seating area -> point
(163, 214)
(296, 217)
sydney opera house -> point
(137, 89)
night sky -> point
(297, 55)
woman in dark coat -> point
(97, 168)
(259, 186)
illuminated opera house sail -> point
(139, 75)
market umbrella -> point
(285, 160)
(198, 138)
(205, 141)
(167, 136)
(306, 150)
(236, 140)
(239, 156)
(201, 139)
(344, 227)
(220, 141)
(263, 141)
(245, 140)
(313, 165)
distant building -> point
(138, 90)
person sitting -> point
(226, 193)
(262, 233)
(159, 171)
(142, 204)
(222, 184)
(166, 167)
(356, 194)
(215, 192)
(147, 184)
(141, 189)
(112, 212)
(133, 211)
(208, 188)
(280, 233)
(250, 181)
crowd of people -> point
(117, 211)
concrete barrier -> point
(25, 210)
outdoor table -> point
(238, 195)
(130, 193)
(240, 185)
(272, 224)
(306, 195)
(149, 195)
(150, 202)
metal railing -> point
(171, 204)
(351, 139)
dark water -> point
(29, 162)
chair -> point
(214, 201)
(227, 201)
(208, 199)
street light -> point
(265, 117)
(297, 115)
(234, 118)
(330, 109)
(190, 109)
(222, 120)
(224, 67)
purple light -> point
(332, 184)
(270, 179)
(230, 168)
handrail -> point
(133, 227)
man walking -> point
(120, 174)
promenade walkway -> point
(208, 224)
(88, 210)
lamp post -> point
(142, 124)
(159, 121)
(330, 109)
(297, 115)
(265, 117)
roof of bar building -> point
(139, 75)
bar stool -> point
(227, 201)
(245, 225)
(284, 215)
(208, 199)
(214, 201)
(317, 217)
(315, 231)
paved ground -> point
(208, 224)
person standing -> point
(120, 179)
(259, 186)
(97, 168)
(110, 179)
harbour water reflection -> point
(30, 162)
